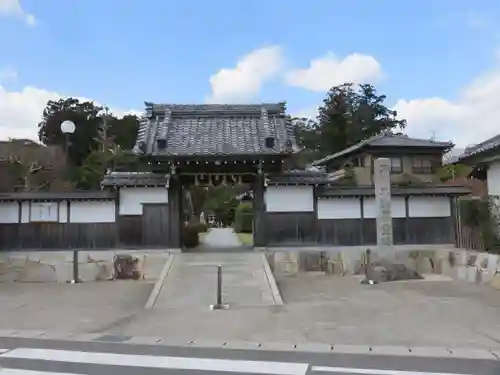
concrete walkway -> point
(221, 238)
(192, 281)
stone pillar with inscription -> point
(382, 179)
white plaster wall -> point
(493, 178)
(9, 212)
(131, 199)
(63, 212)
(339, 208)
(25, 212)
(44, 212)
(289, 199)
(92, 212)
(429, 206)
(398, 209)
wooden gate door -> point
(155, 225)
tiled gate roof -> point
(214, 129)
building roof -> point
(482, 147)
(58, 196)
(345, 191)
(386, 140)
(215, 129)
(304, 178)
(135, 179)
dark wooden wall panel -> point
(430, 230)
(130, 230)
(46, 236)
(339, 232)
(290, 228)
(399, 230)
(155, 225)
(259, 213)
(369, 231)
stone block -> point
(443, 267)
(313, 347)
(291, 267)
(495, 281)
(472, 274)
(17, 260)
(460, 257)
(93, 272)
(144, 340)
(493, 263)
(472, 353)
(242, 345)
(64, 272)
(208, 343)
(461, 273)
(351, 349)
(484, 276)
(390, 350)
(34, 272)
(481, 260)
(10, 276)
(430, 352)
(334, 268)
(424, 265)
(277, 346)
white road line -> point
(15, 371)
(180, 363)
(361, 371)
(4, 350)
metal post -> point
(368, 268)
(219, 286)
(219, 305)
(75, 266)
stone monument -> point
(385, 267)
(382, 179)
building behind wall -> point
(413, 160)
(187, 145)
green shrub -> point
(243, 220)
(201, 227)
(483, 215)
(190, 236)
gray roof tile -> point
(169, 129)
(123, 179)
(385, 140)
(484, 146)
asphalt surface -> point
(24, 356)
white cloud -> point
(471, 118)
(20, 111)
(241, 83)
(14, 8)
(327, 71)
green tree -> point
(349, 114)
(85, 115)
(221, 200)
(453, 171)
(123, 130)
(99, 141)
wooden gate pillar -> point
(175, 211)
(259, 212)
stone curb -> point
(159, 283)
(278, 301)
(311, 347)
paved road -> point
(23, 356)
(221, 237)
(245, 282)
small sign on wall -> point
(44, 212)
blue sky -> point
(425, 55)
